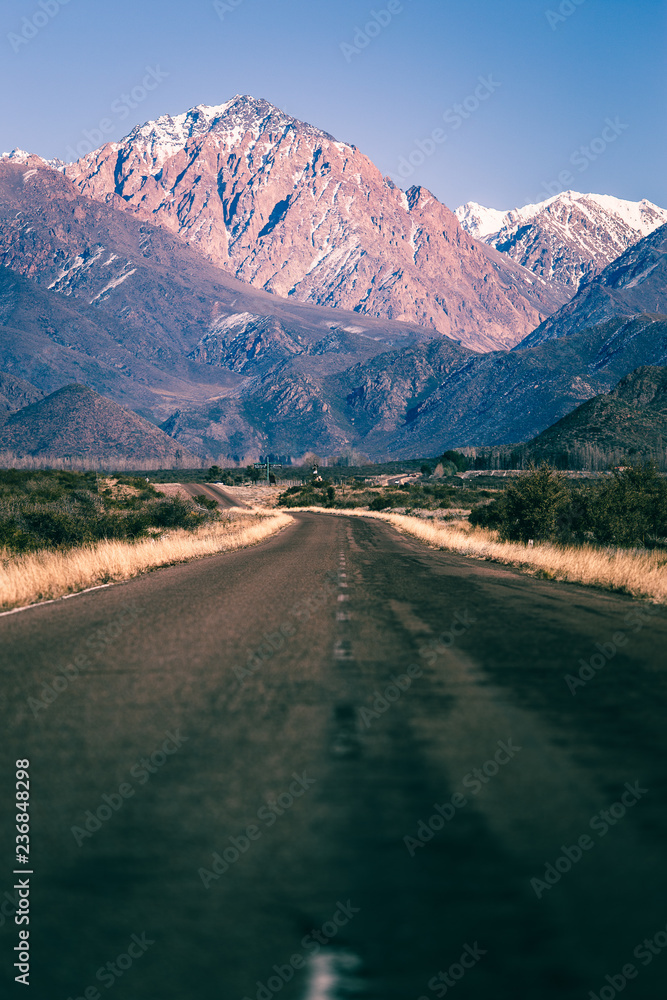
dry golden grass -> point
(638, 573)
(47, 575)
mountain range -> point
(634, 283)
(123, 272)
(630, 421)
(567, 239)
(284, 206)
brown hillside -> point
(75, 423)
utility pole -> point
(267, 471)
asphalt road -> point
(223, 499)
(272, 670)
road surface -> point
(223, 499)
(286, 816)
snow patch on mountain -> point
(230, 123)
(479, 221)
(114, 283)
(21, 156)
(236, 321)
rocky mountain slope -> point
(74, 423)
(420, 400)
(287, 208)
(567, 239)
(94, 295)
(15, 393)
(496, 398)
(631, 420)
(129, 303)
(633, 284)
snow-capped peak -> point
(567, 238)
(169, 133)
(640, 216)
(240, 116)
(21, 156)
(17, 156)
(480, 221)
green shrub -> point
(173, 513)
(628, 509)
(529, 508)
(385, 500)
(205, 501)
(53, 509)
(54, 528)
(12, 536)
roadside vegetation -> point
(609, 532)
(62, 532)
(575, 456)
(55, 509)
(627, 508)
(49, 574)
(408, 496)
(423, 493)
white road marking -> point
(332, 975)
(54, 600)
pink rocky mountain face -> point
(285, 207)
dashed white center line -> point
(333, 974)
(342, 649)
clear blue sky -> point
(554, 82)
